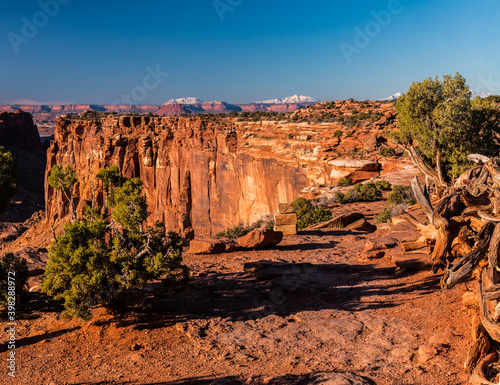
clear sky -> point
(241, 51)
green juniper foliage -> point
(400, 198)
(8, 178)
(99, 263)
(362, 192)
(439, 120)
(307, 214)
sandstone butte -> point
(206, 175)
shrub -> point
(383, 185)
(99, 263)
(359, 193)
(349, 134)
(337, 134)
(233, 233)
(307, 214)
(344, 182)
(270, 225)
(387, 151)
(8, 178)
(13, 279)
(400, 198)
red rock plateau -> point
(207, 175)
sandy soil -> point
(314, 308)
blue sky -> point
(241, 51)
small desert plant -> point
(307, 214)
(233, 232)
(387, 151)
(344, 182)
(270, 225)
(337, 134)
(383, 185)
(360, 193)
(348, 134)
(399, 199)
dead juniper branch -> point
(461, 270)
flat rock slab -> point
(338, 222)
(412, 261)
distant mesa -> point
(184, 101)
(290, 100)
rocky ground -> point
(298, 313)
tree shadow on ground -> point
(281, 289)
(42, 337)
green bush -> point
(344, 182)
(8, 178)
(400, 198)
(383, 185)
(307, 214)
(13, 279)
(337, 134)
(270, 225)
(349, 134)
(96, 262)
(387, 151)
(359, 193)
(233, 233)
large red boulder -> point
(259, 238)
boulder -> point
(259, 238)
(206, 246)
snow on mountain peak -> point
(291, 99)
(183, 101)
(392, 97)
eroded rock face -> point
(18, 130)
(195, 174)
(203, 175)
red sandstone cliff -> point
(194, 171)
(209, 175)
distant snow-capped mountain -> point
(184, 101)
(291, 99)
(474, 94)
(392, 97)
